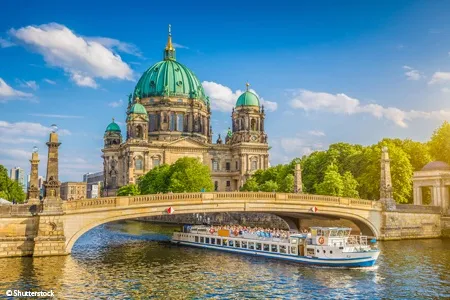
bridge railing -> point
(144, 199)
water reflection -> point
(129, 260)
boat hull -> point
(367, 260)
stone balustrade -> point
(177, 197)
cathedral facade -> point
(169, 117)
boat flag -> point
(170, 210)
(313, 209)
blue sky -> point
(353, 71)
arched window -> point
(215, 165)
(253, 124)
(254, 165)
(152, 121)
(172, 122)
(139, 133)
(156, 161)
(138, 163)
(180, 120)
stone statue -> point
(219, 140)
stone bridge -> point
(27, 230)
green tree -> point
(128, 190)
(313, 170)
(332, 183)
(250, 185)
(10, 190)
(440, 143)
(269, 186)
(155, 181)
(188, 174)
(349, 186)
(418, 153)
(287, 184)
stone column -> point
(417, 195)
(298, 186)
(33, 190)
(386, 194)
(52, 200)
(435, 200)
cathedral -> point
(169, 117)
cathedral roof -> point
(138, 108)
(113, 127)
(169, 78)
(436, 166)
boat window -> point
(258, 246)
(244, 244)
(293, 241)
(324, 251)
(207, 240)
(341, 233)
(213, 241)
(238, 244)
(230, 243)
(318, 250)
(274, 248)
(196, 239)
(331, 252)
(266, 247)
(282, 249)
(333, 233)
(251, 245)
(294, 249)
(310, 252)
(202, 239)
(219, 241)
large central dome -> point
(170, 78)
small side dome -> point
(247, 99)
(113, 127)
(436, 166)
(138, 108)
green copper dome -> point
(247, 99)
(113, 127)
(138, 108)
(169, 78)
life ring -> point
(321, 240)
(236, 232)
(211, 230)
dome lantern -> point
(113, 127)
(169, 51)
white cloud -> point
(7, 92)
(440, 77)
(412, 74)
(298, 146)
(49, 81)
(343, 104)
(316, 133)
(117, 45)
(84, 81)
(224, 99)
(445, 90)
(29, 84)
(57, 116)
(180, 46)
(26, 129)
(5, 43)
(81, 58)
(115, 104)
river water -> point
(132, 259)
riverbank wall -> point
(412, 222)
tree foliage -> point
(128, 190)
(10, 190)
(440, 143)
(332, 183)
(185, 175)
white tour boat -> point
(323, 246)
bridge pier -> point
(50, 238)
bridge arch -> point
(83, 215)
